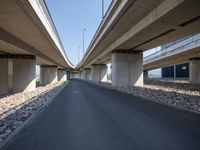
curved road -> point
(88, 117)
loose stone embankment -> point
(176, 97)
(17, 108)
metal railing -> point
(176, 47)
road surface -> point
(85, 116)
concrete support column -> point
(81, 74)
(75, 75)
(99, 73)
(68, 75)
(194, 73)
(48, 74)
(84, 74)
(17, 73)
(174, 71)
(145, 74)
(87, 74)
(127, 68)
(62, 75)
(4, 76)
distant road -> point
(88, 117)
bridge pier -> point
(84, 74)
(99, 73)
(145, 74)
(75, 75)
(127, 68)
(68, 75)
(48, 74)
(17, 73)
(87, 74)
(62, 75)
(81, 74)
(194, 70)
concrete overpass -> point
(178, 53)
(133, 26)
(28, 37)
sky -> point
(71, 17)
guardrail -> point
(179, 46)
(41, 9)
(110, 7)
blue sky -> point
(71, 17)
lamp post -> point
(102, 3)
(84, 41)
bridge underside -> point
(141, 26)
(27, 38)
(22, 32)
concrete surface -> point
(48, 74)
(62, 75)
(37, 36)
(68, 75)
(85, 116)
(194, 71)
(142, 25)
(24, 75)
(87, 74)
(127, 68)
(75, 75)
(145, 75)
(177, 53)
(3, 76)
(17, 74)
(99, 73)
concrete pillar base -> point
(48, 75)
(127, 68)
(194, 71)
(99, 73)
(17, 73)
(62, 75)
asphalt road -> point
(88, 117)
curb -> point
(14, 134)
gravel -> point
(179, 98)
(17, 108)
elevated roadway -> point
(28, 37)
(177, 53)
(133, 26)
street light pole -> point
(102, 9)
(84, 41)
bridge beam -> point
(48, 74)
(62, 75)
(99, 73)
(194, 70)
(17, 73)
(127, 68)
